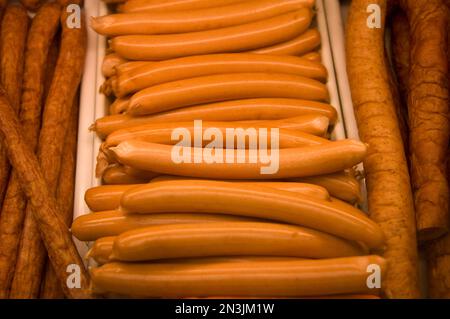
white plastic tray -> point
(94, 105)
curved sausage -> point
(172, 5)
(107, 197)
(112, 223)
(168, 22)
(304, 43)
(195, 66)
(342, 185)
(223, 87)
(239, 110)
(160, 133)
(244, 37)
(241, 164)
(342, 220)
(254, 277)
(229, 239)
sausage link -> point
(41, 34)
(110, 62)
(245, 164)
(229, 239)
(222, 87)
(107, 197)
(253, 201)
(160, 133)
(58, 108)
(244, 37)
(256, 277)
(342, 185)
(178, 5)
(239, 110)
(193, 20)
(112, 223)
(304, 43)
(101, 250)
(14, 28)
(196, 66)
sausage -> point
(292, 132)
(171, 5)
(41, 33)
(304, 43)
(244, 37)
(193, 20)
(239, 110)
(107, 197)
(117, 174)
(196, 66)
(253, 201)
(101, 250)
(112, 223)
(56, 117)
(222, 87)
(32, 5)
(14, 28)
(110, 62)
(309, 190)
(255, 277)
(228, 239)
(341, 185)
(288, 163)
(161, 133)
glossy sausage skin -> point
(161, 133)
(155, 73)
(304, 43)
(228, 239)
(232, 39)
(253, 201)
(223, 87)
(286, 163)
(107, 197)
(192, 21)
(239, 110)
(112, 223)
(173, 5)
(255, 277)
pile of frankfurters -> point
(200, 230)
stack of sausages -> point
(41, 65)
(220, 229)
